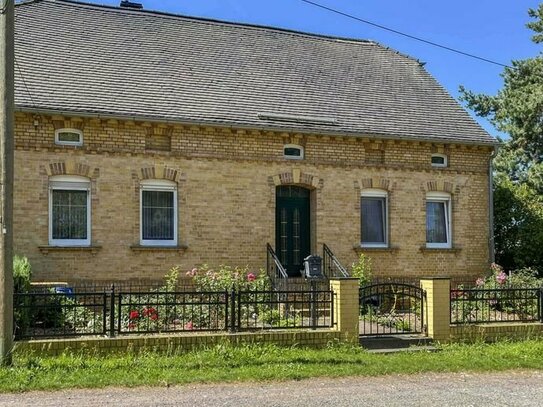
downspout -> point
(491, 248)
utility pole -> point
(7, 58)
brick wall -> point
(226, 197)
(173, 343)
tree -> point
(517, 109)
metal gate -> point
(392, 309)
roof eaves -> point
(267, 127)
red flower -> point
(147, 312)
(131, 325)
(189, 326)
(154, 316)
(251, 277)
(134, 314)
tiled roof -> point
(82, 58)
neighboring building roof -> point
(90, 59)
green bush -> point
(362, 270)
(22, 274)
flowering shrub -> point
(498, 296)
(228, 278)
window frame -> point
(163, 186)
(447, 200)
(437, 165)
(292, 157)
(70, 183)
(68, 143)
(376, 193)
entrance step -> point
(396, 343)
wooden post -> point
(6, 179)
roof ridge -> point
(204, 20)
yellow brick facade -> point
(226, 181)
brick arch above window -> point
(296, 177)
(67, 123)
(71, 167)
(440, 186)
(376, 183)
(159, 172)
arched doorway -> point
(292, 227)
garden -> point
(226, 299)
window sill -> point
(141, 248)
(454, 249)
(47, 249)
(388, 249)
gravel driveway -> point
(515, 388)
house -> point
(146, 140)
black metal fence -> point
(49, 314)
(496, 305)
(57, 314)
(391, 309)
(283, 309)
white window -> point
(69, 137)
(439, 160)
(69, 211)
(293, 152)
(438, 220)
(374, 218)
(158, 213)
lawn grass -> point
(224, 363)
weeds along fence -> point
(496, 305)
(49, 314)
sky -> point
(492, 29)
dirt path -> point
(515, 388)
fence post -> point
(438, 307)
(541, 304)
(313, 305)
(112, 312)
(346, 308)
(233, 311)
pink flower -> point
(501, 278)
(189, 326)
(192, 273)
(480, 282)
(496, 268)
(251, 277)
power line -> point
(24, 82)
(435, 44)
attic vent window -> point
(69, 137)
(293, 152)
(439, 160)
(297, 119)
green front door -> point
(292, 233)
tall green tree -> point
(517, 109)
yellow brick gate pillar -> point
(346, 307)
(438, 307)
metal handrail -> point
(331, 260)
(280, 271)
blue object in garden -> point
(68, 291)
